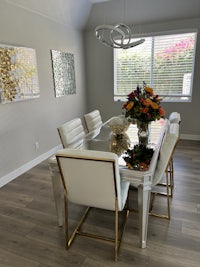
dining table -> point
(102, 139)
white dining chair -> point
(175, 117)
(93, 120)
(174, 128)
(162, 169)
(92, 179)
(72, 133)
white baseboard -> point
(14, 174)
(190, 137)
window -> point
(164, 62)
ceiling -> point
(137, 12)
(71, 13)
(87, 14)
(98, 1)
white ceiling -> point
(136, 12)
(90, 13)
(98, 1)
(72, 13)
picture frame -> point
(18, 74)
(63, 73)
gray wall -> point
(99, 60)
(26, 122)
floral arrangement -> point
(119, 124)
(139, 157)
(143, 105)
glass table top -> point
(103, 139)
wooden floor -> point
(30, 236)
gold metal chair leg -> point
(172, 176)
(171, 180)
(116, 230)
(123, 228)
(70, 239)
(168, 216)
(116, 240)
(168, 196)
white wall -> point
(99, 59)
(26, 122)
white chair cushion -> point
(93, 120)
(92, 173)
(164, 157)
(175, 117)
(124, 193)
(72, 133)
(174, 129)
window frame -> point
(166, 98)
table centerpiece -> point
(120, 141)
(139, 157)
(143, 107)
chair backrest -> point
(166, 153)
(174, 128)
(175, 117)
(72, 133)
(93, 120)
(91, 178)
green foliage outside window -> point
(164, 62)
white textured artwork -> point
(18, 74)
(63, 73)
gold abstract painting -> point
(18, 74)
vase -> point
(143, 132)
(119, 125)
(119, 143)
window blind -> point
(164, 62)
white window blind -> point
(164, 62)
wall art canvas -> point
(18, 74)
(63, 73)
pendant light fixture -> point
(117, 36)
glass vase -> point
(119, 143)
(143, 132)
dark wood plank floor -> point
(30, 236)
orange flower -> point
(147, 102)
(154, 105)
(129, 105)
(148, 90)
(144, 110)
(161, 111)
(143, 105)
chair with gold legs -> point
(174, 117)
(164, 160)
(93, 120)
(92, 179)
(71, 133)
(173, 129)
